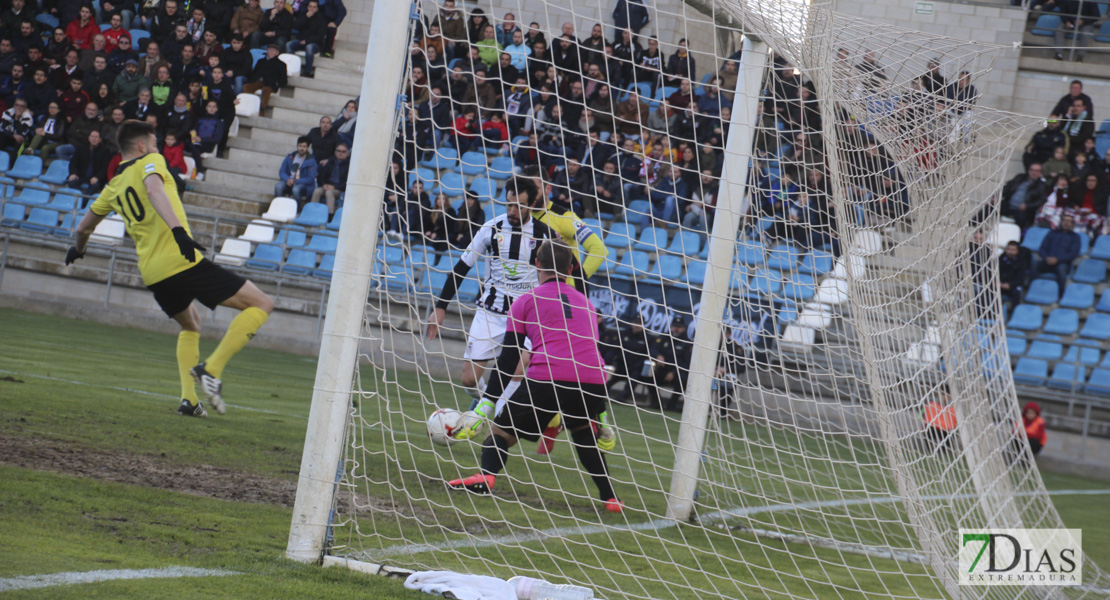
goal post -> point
(350, 284)
(807, 364)
(732, 207)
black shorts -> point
(208, 282)
(535, 403)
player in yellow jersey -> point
(575, 233)
(144, 194)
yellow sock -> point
(188, 355)
(558, 420)
(241, 330)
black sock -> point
(495, 453)
(593, 461)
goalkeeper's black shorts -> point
(535, 403)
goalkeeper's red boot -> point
(547, 440)
(478, 483)
(613, 505)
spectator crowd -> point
(71, 72)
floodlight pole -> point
(339, 346)
(732, 203)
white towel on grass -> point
(463, 587)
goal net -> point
(792, 223)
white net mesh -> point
(862, 406)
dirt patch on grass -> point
(198, 480)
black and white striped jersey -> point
(510, 255)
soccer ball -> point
(442, 425)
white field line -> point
(30, 582)
(659, 524)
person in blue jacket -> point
(334, 12)
(297, 173)
(1059, 249)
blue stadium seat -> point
(13, 215)
(323, 243)
(336, 219)
(1084, 243)
(816, 263)
(1101, 249)
(1046, 347)
(326, 265)
(1104, 302)
(751, 253)
(787, 313)
(258, 54)
(290, 238)
(765, 281)
(1046, 25)
(618, 236)
(1067, 376)
(652, 239)
(1097, 327)
(300, 262)
(1090, 270)
(1015, 343)
(667, 267)
(1033, 238)
(26, 167)
(685, 242)
(56, 173)
(473, 163)
(314, 214)
(1026, 317)
(633, 264)
(394, 255)
(501, 168)
(607, 265)
(397, 278)
(1078, 295)
(1062, 321)
(420, 259)
(1082, 354)
(1099, 382)
(1042, 291)
(41, 220)
(48, 20)
(468, 290)
(783, 257)
(427, 176)
(64, 201)
(138, 39)
(1103, 34)
(443, 158)
(1031, 371)
(451, 184)
(638, 213)
(431, 282)
(695, 273)
(799, 288)
(32, 197)
(484, 187)
(66, 228)
(266, 257)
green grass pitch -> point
(98, 472)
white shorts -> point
(487, 332)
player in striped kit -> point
(508, 243)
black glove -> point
(73, 255)
(186, 244)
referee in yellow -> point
(144, 194)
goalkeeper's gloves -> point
(186, 244)
(474, 421)
(606, 434)
(73, 255)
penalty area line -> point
(31, 582)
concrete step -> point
(299, 115)
(270, 124)
(255, 162)
(201, 200)
(338, 82)
(247, 170)
(352, 64)
(276, 145)
(273, 140)
(237, 185)
(323, 99)
(349, 53)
